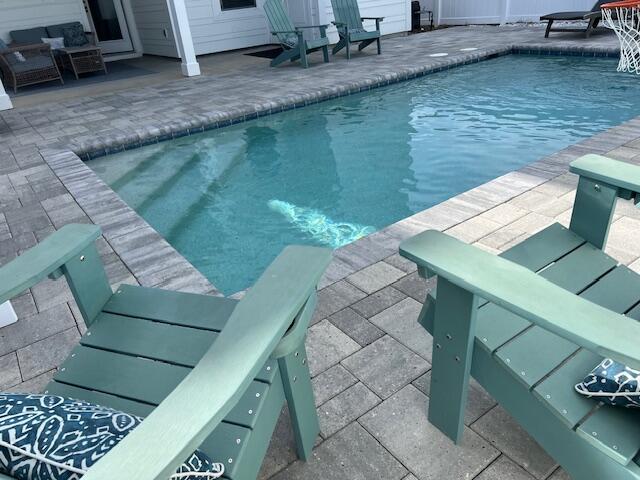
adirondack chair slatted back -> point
(348, 13)
(280, 22)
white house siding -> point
(462, 12)
(531, 10)
(19, 14)
(396, 13)
(153, 22)
(214, 30)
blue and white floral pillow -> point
(46, 437)
(613, 383)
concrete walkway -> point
(369, 359)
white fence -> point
(463, 12)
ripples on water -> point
(364, 161)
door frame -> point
(127, 25)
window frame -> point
(233, 9)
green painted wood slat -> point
(573, 272)
(177, 308)
(143, 380)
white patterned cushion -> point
(613, 383)
(46, 437)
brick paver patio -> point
(368, 357)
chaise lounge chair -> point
(348, 21)
(529, 337)
(292, 38)
(593, 17)
(207, 372)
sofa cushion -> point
(29, 36)
(46, 437)
(56, 30)
(74, 36)
(36, 62)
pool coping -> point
(147, 259)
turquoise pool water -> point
(229, 200)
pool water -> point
(229, 200)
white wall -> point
(153, 22)
(214, 30)
(396, 13)
(461, 12)
(19, 14)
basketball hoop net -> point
(624, 19)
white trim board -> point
(7, 314)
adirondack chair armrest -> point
(526, 294)
(312, 26)
(199, 403)
(624, 176)
(372, 18)
(45, 259)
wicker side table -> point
(83, 59)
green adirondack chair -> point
(530, 324)
(291, 38)
(206, 372)
(348, 21)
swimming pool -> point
(230, 199)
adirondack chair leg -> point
(379, 46)
(548, 30)
(348, 47)
(303, 57)
(284, 56)
(302, 47)
(592, 211)
(453, 337)
(299, 393)
(339, 46)
(325, 54)
(591, 27)
(88, 282)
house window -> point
(235, 4)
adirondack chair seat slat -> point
(569, 407)
(228, 440)
(145, 381)
(177, 308)
(358, 35)
(616, 431)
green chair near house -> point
(291, 38)
(348, 21)
(530, 324)
(205, 371)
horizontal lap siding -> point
(215, 31)
(531, 10)
(460, 12)
(396, 13)
(153, 22)
(19, 14)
